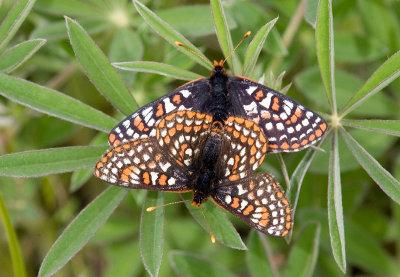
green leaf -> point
(190, 265)
(182, 19)
(335, 207)
(390, 127)
(325, 51)
(220, 226)
(382, 77)
(18, 54)
(98, 69)
(13, 21)
(158, 68)
(152, 232)
(380, 175)
(56, 30)
(171, 35)
(54, 103)
(49, 161)
(304, 252)
(223, 34)
(81, 229)
(259, 258)
(255, 47)
(13, 244)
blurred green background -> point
(367, 32)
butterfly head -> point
(218, 68)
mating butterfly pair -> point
(193, 152)
(236, 121)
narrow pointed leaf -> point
(54, 103)
(304, 253)
(158, 68)
(99, 69)
(223, 34)
(380, 175)
(220, 225)
(49, 161)
(15, 17)
(18, 54)
(381, 78)
(325, 50)
(255, 47)
(13, 244)
(258, 257)
(152, 232)
(190, 265)
(390, 127)
(81, 229)
(335, 207)
(171, 35)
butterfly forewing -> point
(288, 125)
(257, 200)
(183, 134)
(141, 164)
(141, 123)
(244, 148)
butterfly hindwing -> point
(141, 164)
(257, 200)
(288, 125)
(244, 148)
(183, 134)
(141, 123)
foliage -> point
(66, 62)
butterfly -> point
(288, 125)
(193, 151)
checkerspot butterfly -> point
(192, 151)
(288, 125)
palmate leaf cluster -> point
(343, 194)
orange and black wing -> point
(141, 124)
(288, 125)
(141, 164)
(259, 201)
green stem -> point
(15, 250)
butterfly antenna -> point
(177, 43)
(152, 208)
(208, 226)
(240, 42)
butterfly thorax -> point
(219, 102)
(206, 179)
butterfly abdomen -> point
(206, 178)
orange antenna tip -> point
(150, 209)
(233, 50)
(212, 238)
(178, 43)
